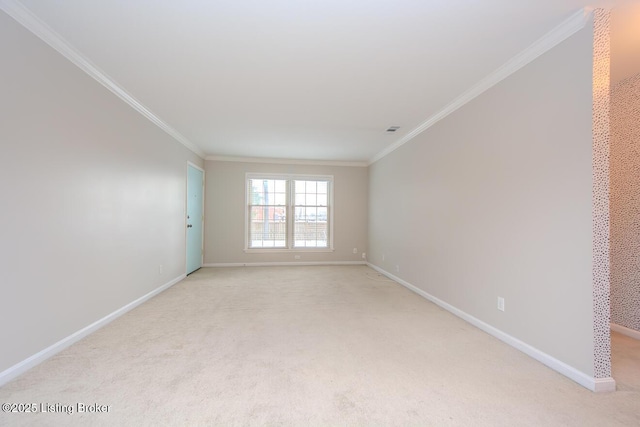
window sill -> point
(286, 250)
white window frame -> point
(290, 211)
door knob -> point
(189, 225)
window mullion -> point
(290, 213)
(311, 219)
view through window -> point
(288, 212)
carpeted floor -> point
(303, 346)
(625, 362)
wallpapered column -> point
(625, 203)
(601, 135)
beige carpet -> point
(304, 346)
(625, 362)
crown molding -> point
(286, 161)
(30, 21)
(570, 26)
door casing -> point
(194, 218)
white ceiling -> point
(303, 79)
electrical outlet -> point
(296, 256)
(382, 257)
(355, 250)
(160, 269)
(397, 269)
(364, 255)
(500, 303)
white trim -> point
(573, 24)
(290, 211)
(282, 264)
(22, 367)
(593, 384)
(602, 385)
(288, 251)
(31, 22)
(288, 176)
(190, 163)
(625, 331)
(286, 161)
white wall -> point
(625, 167)
(496, 200)
(625, 42)
(93, 199)
(225, 205)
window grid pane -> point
(269, 201)
(311, 219)
(267, 213)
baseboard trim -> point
(284, 264)
(602, 385)
(593, 384)
(625, 331)
(22, 367)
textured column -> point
(601, 247)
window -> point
(289, 212)
(268, 213)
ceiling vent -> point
(392, 129)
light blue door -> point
(195, 183)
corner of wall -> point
(601, 238)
